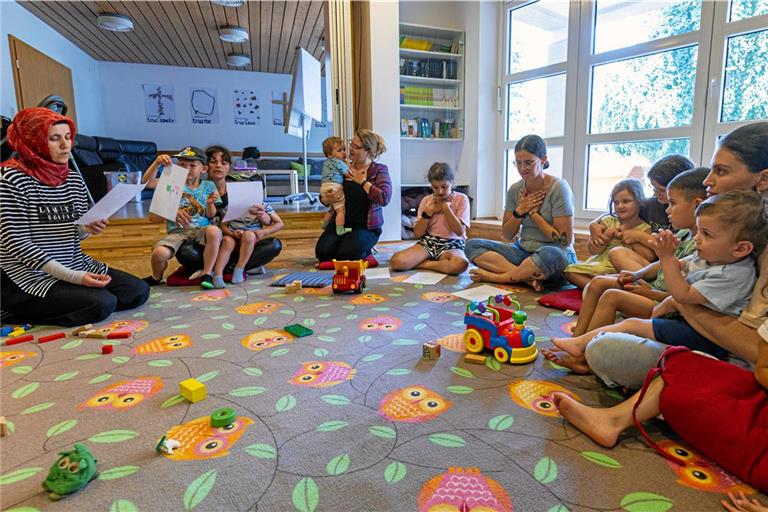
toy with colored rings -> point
(223, 417)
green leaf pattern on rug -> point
(337, 465)
(123, 506)
(113, 436)
(37, 408)
(645, 502)
(248, 391)
(25, 390)
(255, 372)
(559, 508)
(459, 390)
(501, 422)
(213, 353)
(285, 403)
(448, 440)
(382, 431)
(305, 495)
(21, 370)
(72, 344)
(394, 472)
(493, 364)
(545, 470)
(19, 474)
(208, 376)
(462, 372)
(198, 490)
(60, 428)
(118, 472)
(100, 378)
(262, 451)
(160, 363)
(335, 399)
(67, 376)
(330, 426)
(396, 372)
(601, 459)
(175, 399)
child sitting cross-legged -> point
(720, 275)
(443, 219)
(634, 294)
(624, 215)
(193, 218)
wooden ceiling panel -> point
(186, 33)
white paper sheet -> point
(241, 196)
(481, 292)
(167, 196)
(377, 273)
(425, 278)
(110, 203)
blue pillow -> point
(308, 279)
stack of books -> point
(429, 68)
(421, 127)
(429, 96)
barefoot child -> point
(720, 275)
(635, 294)
(717, 408)
(443, 219)
(653, 211)
(334, 172)
(193, 219)
(626, 198)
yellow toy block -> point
(192, 390)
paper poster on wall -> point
(324, 122)
(277, 108)
(246, 108)
(204, 105)
(159, 103)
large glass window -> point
(538, 35)
(619, 24)
(745, 92)
(536, 106)
(554, 157)
(742, 9)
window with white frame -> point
(614, 85)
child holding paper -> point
(247, 232)
(193, 218)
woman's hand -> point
(528, 203)
(329, 197)
(183, 219)
(358, 175)
(96, 227)
(92, 280)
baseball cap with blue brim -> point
(192, 153)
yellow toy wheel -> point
(501, 354)
(473, 340)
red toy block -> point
(107, 349)
(119, 335)
(20, 339)
(51, 337)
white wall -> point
(20, 23)
(385, 93)
(123, 101)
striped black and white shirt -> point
(36, 226)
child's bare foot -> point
(482, 275)
(535, 284)
(596, 423)
(573, 346)
(575, 364)
(741, 503)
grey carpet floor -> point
(349, 418)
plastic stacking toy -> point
(492, 326)
(223, 417)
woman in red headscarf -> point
(46, 277)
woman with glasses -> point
(367, 191)
(539, 212)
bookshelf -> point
(431, 84)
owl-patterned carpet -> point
(348, 418)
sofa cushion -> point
(137, 155)
(86, 151)
(109, 149)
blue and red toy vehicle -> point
(349, 276)
(492, 326)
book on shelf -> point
(412, 43)
(429, 96)
(421, 127)
(429, 68)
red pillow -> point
(328, 265)
(181, 278)
(565, 300)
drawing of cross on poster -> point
(159, 104)
(245, 107)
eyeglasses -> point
(355, 146)
(526, 164)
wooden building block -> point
(430, 351)
(293, 287)
(82, 329)
(474, 359)
(192, 390)
(3, 427)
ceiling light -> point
(115, 22)
(238, 60)
(228, 3)
(233, 34)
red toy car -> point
(349, 276)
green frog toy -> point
(71, 472)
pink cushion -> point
(568, 299)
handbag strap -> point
(654, 372)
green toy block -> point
(298, 330)
(192, 390)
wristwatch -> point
(518, 215)
(425, 216)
